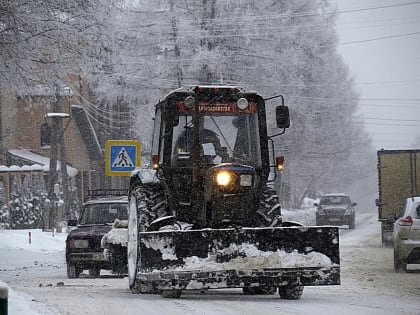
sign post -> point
(121, 157)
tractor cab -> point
(211, 143)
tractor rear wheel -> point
(269, 210)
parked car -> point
(407, 236)
(83, 244)
(336, 209)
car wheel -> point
(73, 271)
(94, 272)
(291, 292)
(352, 223)
(118, 259)
(172, 294)
(398, 262)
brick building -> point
(25, 135)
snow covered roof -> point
(23, 168)
(41, 160)
(88, 132)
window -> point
(45, 135)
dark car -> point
(336, 209)
(83, 244)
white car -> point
(407, 236)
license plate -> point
(98, 257)
(334, 219)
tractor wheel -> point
(269, 211)
(145, 204)
(292, 292)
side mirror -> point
(282, 116)
(316, 204)
(392, 218)
(354, 204)
(72, 223)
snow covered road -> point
(36, 275)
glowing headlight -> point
(223, 178)
(242, 103)
(80, 243)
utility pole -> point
(57, 139)
(52, 174)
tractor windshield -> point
(223, 138)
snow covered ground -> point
(26, 250)
(36, 276)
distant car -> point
(407, 236)
(83, 244)
(336, 209)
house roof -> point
(88, 132)
(30, 157)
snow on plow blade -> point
(226, 258)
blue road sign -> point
(122, 157)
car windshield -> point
(232, 137)
(103, 213)
(335, 200)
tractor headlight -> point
(245, 180)
(223, 178)
(189, 102)
(242, 103)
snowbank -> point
(22, 249)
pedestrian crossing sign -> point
(121, 157)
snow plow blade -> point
(245, 257)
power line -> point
(264, 18)
(385, 124)
(390, 119)
(378, 38)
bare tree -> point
(42, 41)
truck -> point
(210, 219)
(398, 179)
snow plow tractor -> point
(208, 219)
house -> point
(29, 136)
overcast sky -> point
(380, 43)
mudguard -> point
(243, 257)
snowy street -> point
(36, 276)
